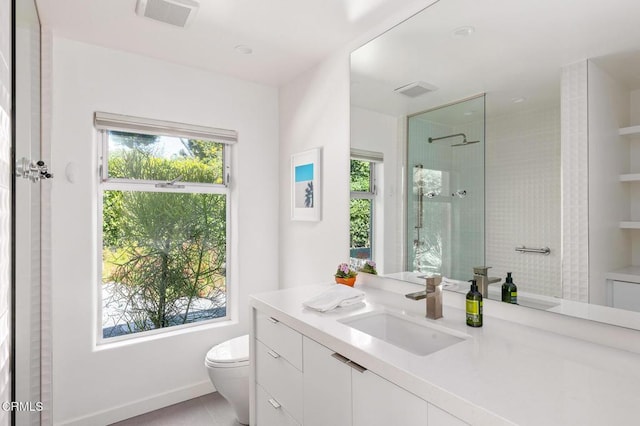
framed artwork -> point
(306, 184)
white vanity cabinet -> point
(326, 385)
(301, 382)
(438, 417)
(377, 401)
(278, 373)
(338, 391)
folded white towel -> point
(453, 284)
(335, 296)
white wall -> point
(609, 246)
(524, 198)
(5, 205)
(314, 112)
(373, 131)
(99, 385)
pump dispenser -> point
(509, 290)
(474, 306)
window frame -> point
(139, 185)
(367, 195)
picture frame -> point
(306, 185)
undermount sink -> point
(413, 335)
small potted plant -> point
(345, 275)
(369, 267)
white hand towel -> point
(335, 296)
(453, 284)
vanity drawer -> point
(280, 379)
(269, 411)
(280, 338)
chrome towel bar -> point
(543, 250)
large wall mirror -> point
(503, 134)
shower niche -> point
(445, 231)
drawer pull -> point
(273, 320)
(273, 354)
(340, 357)
(274, 403)
(350, 363)
(356, 366)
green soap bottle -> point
(509, 290)
(474, 306)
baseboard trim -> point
(141, 406)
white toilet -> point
(228, 367)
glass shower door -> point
(446, 194)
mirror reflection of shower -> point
(445, 214)
(463, 143)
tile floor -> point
(210, 410)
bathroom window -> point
(362, 206)
(164, 211)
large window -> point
(164, 211)
(362, 206)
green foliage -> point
(163, 249)
(206, 152)
(360, 209)
(136, 164)
(360, 175)
(369, 267)
(360, 214)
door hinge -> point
(32, 170)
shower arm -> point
(464, 137)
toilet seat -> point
(229, 354)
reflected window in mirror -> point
(362, 208)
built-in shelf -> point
(630, 177)
(629, 274)
(632, 130)
(630, 225)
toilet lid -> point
(231, 353)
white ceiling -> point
(287, 36)
(517, 50)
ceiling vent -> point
(415, 89)
(174, 12)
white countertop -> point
(504, 373)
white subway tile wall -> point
(524, 198)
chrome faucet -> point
(481, 275)
(433, 294)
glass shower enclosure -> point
(446, 189)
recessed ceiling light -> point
(245, 50)
(518, 100)
(467, 113)
(463, 32)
